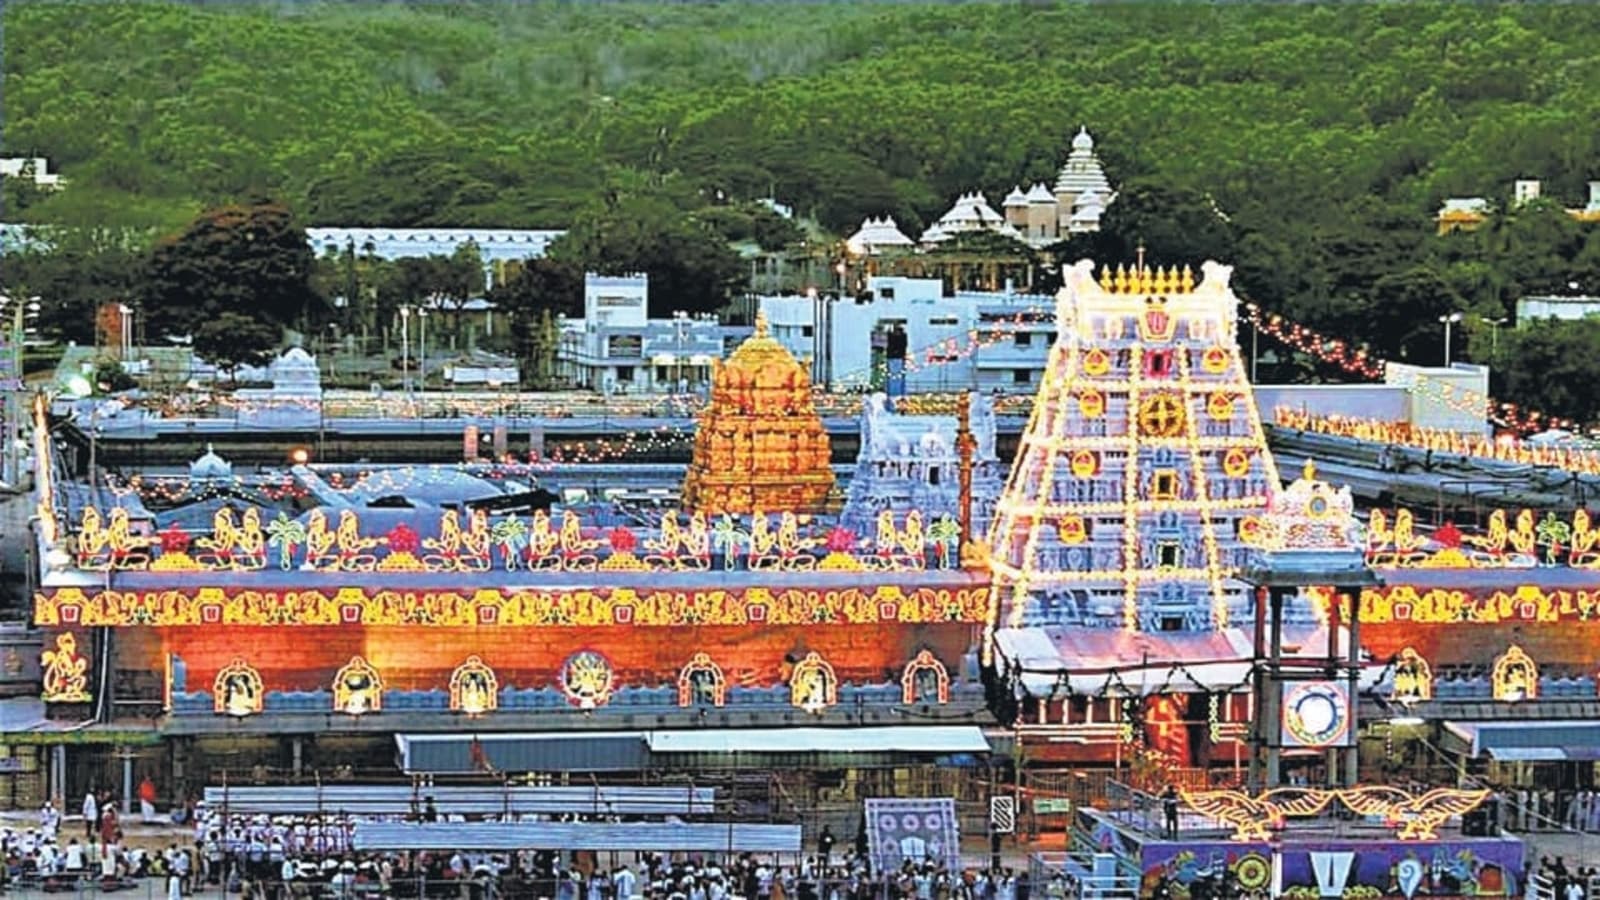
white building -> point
(969, 340)
(497, 246)
(617, 349)
(34, 167)
(1565, 308)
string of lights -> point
(1501, 449)
(1356, 361)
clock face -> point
(1316, 714)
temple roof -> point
(970, 212)
(761, 351)
(877, 234)
(1082, 171)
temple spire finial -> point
(761, 324)
(1139, 260)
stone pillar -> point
(297, 748)
(127, 782)
(1334, 755)
(58, 775)
(1352, 753)
(1258, 694)
(1271, 712)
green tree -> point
(691, 267)
(247, 259)
(1554, 366)
(539, 291)
(232, 339)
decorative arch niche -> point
(700, 681)
(1515, 676)
(813, 687)
(237, 690)
(1413, 678)
(924, 676)
(357, 688)
(474, 689)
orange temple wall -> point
(306, 658)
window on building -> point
(1172, 623)
(886, 293)
(1168, 554)
(933, 475)
(1021, 376)
(625, 373)
(806, 331)
(1164, 485)
(1022, 339)
(944, 320)
(662, 374)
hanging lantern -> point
(1085, 463)
(1091, 403)
(1214, 360)
(1236, 462)
(1219, 406)
(1096, 362)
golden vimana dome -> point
(760, 445)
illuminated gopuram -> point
(1139, 477)
(760, 444)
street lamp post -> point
(1448, 321)
(1494, 339)
(405, 349)
(422, 348)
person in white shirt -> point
(91, 815)
(49, 820)
(75, 860)
(625, 880)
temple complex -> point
(913, 462)
(1141, 480)
(760, 444)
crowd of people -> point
(263, 857)
(1522, 809)
(1560, 882)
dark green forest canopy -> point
(518, 114)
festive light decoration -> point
(1254, 818)
(580, 607)
(813, 687)
(1501, 449)
(1416, 817)
(237, 690)
(474, 689)
(44, 478)
(1515, 676)
(1440, 606)
(65, 675)
(1357, 362)
(357, 688)
(588, 679)
(759, 443)
(1179, 476)
(536, 544)
(1413, 678)
(702, 680)
(925, 680)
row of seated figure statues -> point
(474, 542)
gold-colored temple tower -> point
(760, 445)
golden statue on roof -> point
(760, 444)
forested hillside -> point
(1327, 135)
(512, 114)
